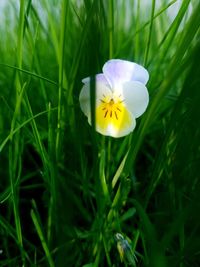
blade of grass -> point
(17, 129)
(30, 73)
(11, 232)
(103, 178)
(61, 71)
(178, 67)
(40, 233)
(150, 33)
(137, 39)
(141, 28)
(119, 171)
(170, 35)
(155, 251)
(111, 27)
(37, 137)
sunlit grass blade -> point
(14, 146)
(176, 64)
(150, 33)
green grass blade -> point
(41, 236)
(150, 33)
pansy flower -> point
(120, 97)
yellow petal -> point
(113, 118)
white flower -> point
(121, 97)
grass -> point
(65, 190)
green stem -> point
(61, 72)
(111, 27)
(42, 238)
(150, 33)
(14, 148)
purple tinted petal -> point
(98, 77)
(118, 71)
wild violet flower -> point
(121, 97)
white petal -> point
(118, 71)
(136, 97)
(101, 87)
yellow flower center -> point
(112, 112)
(111, 108)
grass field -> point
(70, 196)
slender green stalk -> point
(37, 136)
(107, 252)
(111, 27)
(176, 65)
(102, 176)
(42, 238)
(170, 35)
(14, 174)
(61, 71)
(21, 33)
(14, 148)
(52, 158)
(17, 129)
(119, 171)
(30, 73)
(137, 39)
(150, 33)
(181, 232)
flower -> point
(120, 97)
